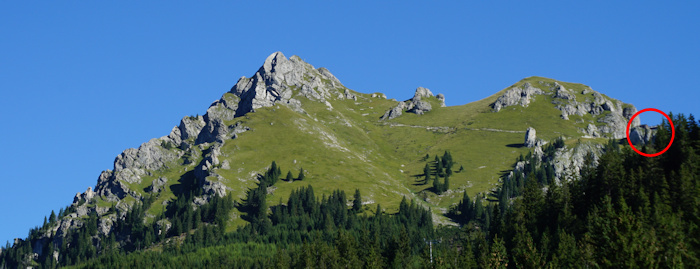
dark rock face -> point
(642, 135)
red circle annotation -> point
(670, 122)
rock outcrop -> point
(280, 80)
(642, 135)
(567, 161)
(157, 185)
(441, 98)
(417, 105)
(191, 126)
(516, 96)
(530, 137)
(394, 112)
(610, 115)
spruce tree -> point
(301, 174)
(439, 169)
(357, 202)
(290, 177)
(445, 186)
(478, 208)
(52, 217)
(437, 186)
(426, 173)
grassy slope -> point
(348, 147)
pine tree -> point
(378, 212)
(301, 174)
(440, 169)
(357, 202)
(52, 217)
(567, 253)
(478, 208)
(524, 252)
(437, 186)
(445, 186)
(290, 177)
(465, 208)
(497, 257)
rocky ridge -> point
(610, 115)
(197, 140)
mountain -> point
(307, 122)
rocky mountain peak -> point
(272, 61)
(282, 80)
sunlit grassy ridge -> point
(348, 147)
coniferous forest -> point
(622, 210)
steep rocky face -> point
(567, 161)
(610, 115)
(276, 81)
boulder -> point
(349, 95)
(414, 105)
(419, 107)
(394, 111)
(157, 185)
(441, 98)
(562, 93)
(422, 93)
(530, 137)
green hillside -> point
(306, 121)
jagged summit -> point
(280, 80)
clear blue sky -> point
(81, 82)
